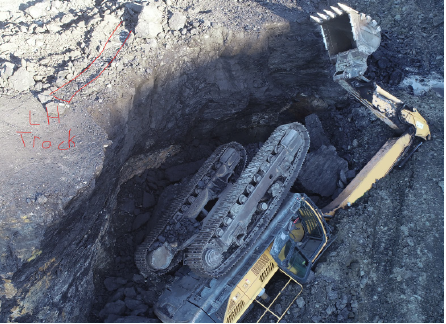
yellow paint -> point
(250, 286)
(414, 118)
(319, 216)
(377, 168)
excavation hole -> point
(180, 123)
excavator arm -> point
(350, 37)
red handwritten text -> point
(47, 144)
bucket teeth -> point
(331, 14)
(324, 17)
(336, 10)
(316, 19)
(346, 8)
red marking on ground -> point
(90, 65)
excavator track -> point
(172, 215)
(205, 248)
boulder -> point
(21, 80)
(149, 22)
(321, 169)
(177, 21)
(316, 132)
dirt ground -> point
(188, 76)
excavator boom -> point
(350, 37)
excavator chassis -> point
(195, 299)
(230, 230)
(161, 249)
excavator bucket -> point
(349, 37)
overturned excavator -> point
(244, 204)
(243, 225)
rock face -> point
(321, 169)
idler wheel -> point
(212, 256)
(242, 199)
(262, 207)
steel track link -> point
(193, 255)
(143, 249)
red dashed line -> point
(89, 67)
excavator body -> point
(293, 241)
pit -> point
(180, 117)
(150, 121)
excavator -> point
(235, 227)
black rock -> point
(314, 199)
(117, 308)
(178, 172)
(119, 294)
(350, 174)
(377, 55)
(149, 297)
(128, 206)
(140, 220)
(336, 193)
(383, 63)
(148, 200)
(343, 177)
(316, 132)
(113, 283)
(137, 278)
(140, 310)
(111, 318)
(396, 77)
(320, 171)
(130, 292)
(133, 303)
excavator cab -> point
(298, 245)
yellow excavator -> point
(298, 234)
